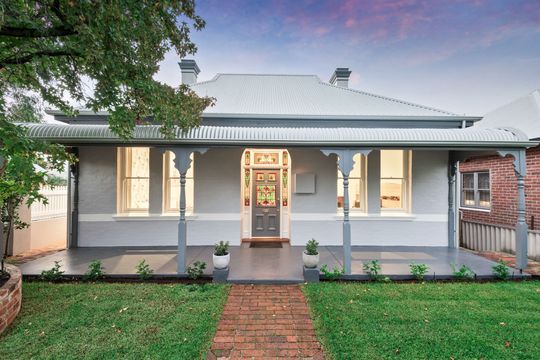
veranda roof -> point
(288, 136)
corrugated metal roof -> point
(299, 95)
(523, 113)
(276, 136)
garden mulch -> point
(33, 254)
(265, 322)
(533, 267)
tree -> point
(101, 54)
(53, 46)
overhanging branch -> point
(36, 33)
(19, 60)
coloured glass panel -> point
(266, 195)
(266, 158)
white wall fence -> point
(56, 207)
(483, 237)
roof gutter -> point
(104, 114)
(309, 143)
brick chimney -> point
(340, 77)
(190, 70)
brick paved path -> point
(265, 322)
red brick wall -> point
(504, 189)
(10, 297)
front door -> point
(266, 190)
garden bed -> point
(10, 297)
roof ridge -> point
(267, 74)
(218, 75)
(390, 99)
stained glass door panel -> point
(266, 195)
(265, 207)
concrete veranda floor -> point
(259, 264)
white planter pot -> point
(221, 262)
(310, 261)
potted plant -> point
(310, 256)
(222, 257)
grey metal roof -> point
(278, 136)
(261, 95)
(523, 113)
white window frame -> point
(406, 189)
(167, 178)
(363, 185)
(476, 190)
(123, 156)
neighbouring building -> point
(489, 185)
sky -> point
(464, 56)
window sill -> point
(377, 217)
(151, 217)
(475, 209)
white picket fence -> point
(57, 204)
(483, 237)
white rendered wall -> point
(218, 203)
(314, 215)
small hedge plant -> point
(95, 272)
(144, 270)
(335, 274)
(53, 274)
(196, 270)
(311, 247)
(221, 248)
(372, 268)
(501, 270)
(463, 273)
(418, 271)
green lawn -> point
(112, 321)
(427, 321)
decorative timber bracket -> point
(520, 163)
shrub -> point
(144, 270)
(311, 247)
(335, 274)
(373, 269)
(196, 270)
(95, 271)
(464, 272)
(53, 274)
(221, 248)
(418, 271)
(501, 270)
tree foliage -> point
(100, 54)
(59, 48)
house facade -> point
(488, 222)
(280, 158)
